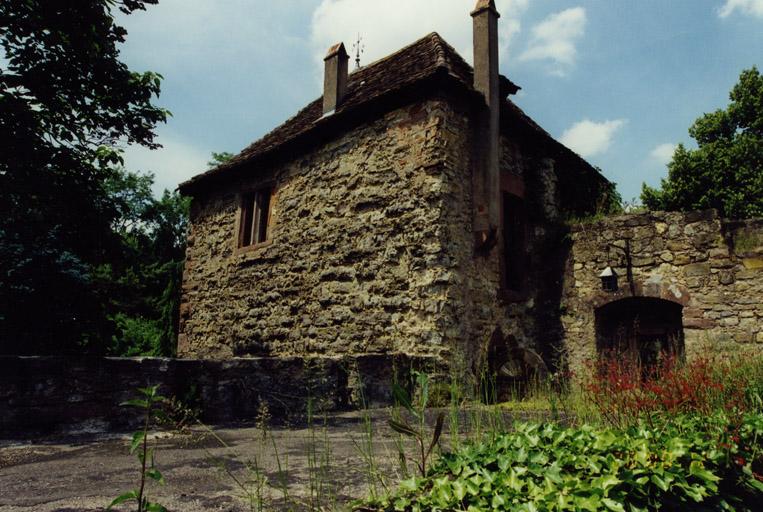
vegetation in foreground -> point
(694, 462)
(676, 436)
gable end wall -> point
(355, 264)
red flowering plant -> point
(624, 391)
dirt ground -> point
(84, 473)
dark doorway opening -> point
(640, 327)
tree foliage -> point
(726, 170)
(141, 287)
(65, 101)
(219, 159)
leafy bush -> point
(692, 463)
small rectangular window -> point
(256, 212)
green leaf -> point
(659, 482)
(154, 474)
(697, 469)
(149, 392)
(137, 439)
(459, 489)
(410, 484)
(155, 507)
(589, 503)
(135, 402)
(498, 501)
(128, 496)
(402, 397)
(613, 505)
(606, 482)
(437, 432)
(403, 428)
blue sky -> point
(619, 81)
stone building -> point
(414, 209)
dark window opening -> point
(255, 217)
(514, 241)
(641, 328)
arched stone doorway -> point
(640, 327)
(510, 368)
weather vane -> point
(359, 47)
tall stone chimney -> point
(335, 77)
(487, 185)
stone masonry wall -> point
(40, 395)
(711, 267)
(373, 251)
(356, 260)
(476, 305)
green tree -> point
(140, 287)
(726, 170)
(219, 159)
(65, 101)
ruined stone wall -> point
(356, 261)
(711, 267)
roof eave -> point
(326, 127)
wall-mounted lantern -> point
(608, 280)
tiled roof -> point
(421, 60)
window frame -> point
(246, 208)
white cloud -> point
(748, 7)
(553, 39)
(663, 153)
(589, 138)
(386, 26)
(171, 164)
(200, 29)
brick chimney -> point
(335, 77)
(487, 185)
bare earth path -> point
(84, 473)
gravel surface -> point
(84, 473)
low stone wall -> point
(710, 267)
(52, 394)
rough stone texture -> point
(373, 249)
(694, 259)
(44, 394)
(356, 260)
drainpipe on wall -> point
(335, 77)
(487, 195)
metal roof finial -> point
(359, 47)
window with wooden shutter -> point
(256, 217)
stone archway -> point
(510, 368)
(641, 327)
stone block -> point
(696, 270)
(746, 274)
(726, 277)
(699, 323)
(753, 263)
(642, 261)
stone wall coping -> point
(645, 218)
